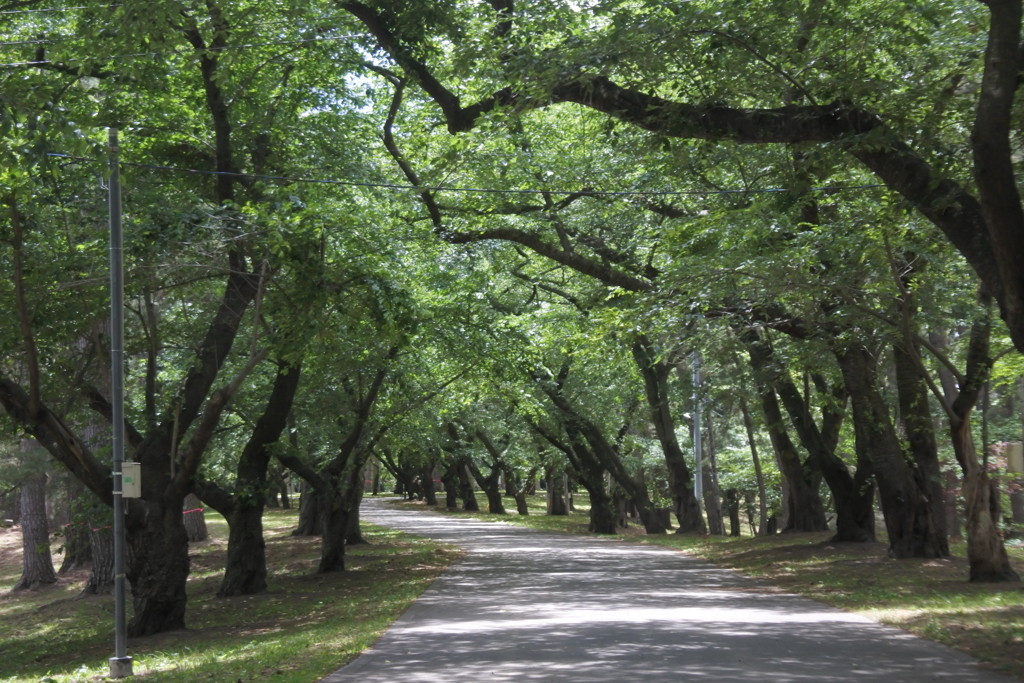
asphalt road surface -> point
(524, 605)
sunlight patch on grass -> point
(302, 628)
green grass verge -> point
(303, 627)
(931, 598)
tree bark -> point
(427, 484)
(732, 500)
(37, 567)
(246, 569)
(491, 486)
(587, 442)
(712, 494)
(466, 491)
(101, 577)
(450, 479)
(655, 374)
(920, 430)
(556, 502)
(985, 551)
(76, 547)
(310, 520)
(762, 493)
(353, 532)
(803, 509)
(906, 507)
(194, 518)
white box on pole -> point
(131, 479)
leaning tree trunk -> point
(905, 505)
(492, 488)
(246, 568)
(466, 492)
(804, 510)
(194, 518)
(655, 374)
(37, 567)
(762, 493)
(602, 513)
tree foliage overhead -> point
(486, 239)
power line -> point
(282, 21)
(212, 49)
(476, 190)
(51, 9)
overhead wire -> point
(282, 21)
(48, 9)
(474, 190)
(196, 51)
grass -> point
(931, 598)
(303, 627)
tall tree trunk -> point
(101, 547)
(920, 430)
(803, 510)
(762, 493)
(712, 494)
(556, 502)
(75, 533)
(310, 519)
(334, 521)
(491, 486)
(76, 547)
(906, 507)
(353, 532)
(286, 503)
(952, 505)
(466, 491)
(427, 484)
(985, 550)
(852, 494)
(732, 500)
(37, 567)
(246, 570)
(160, 567)
(194, 518)
(450, 479)
(655, 373)
(602, 512)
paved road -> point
(530, 606)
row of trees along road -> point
(820, 200)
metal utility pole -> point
(120, 663)
(698, 470)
